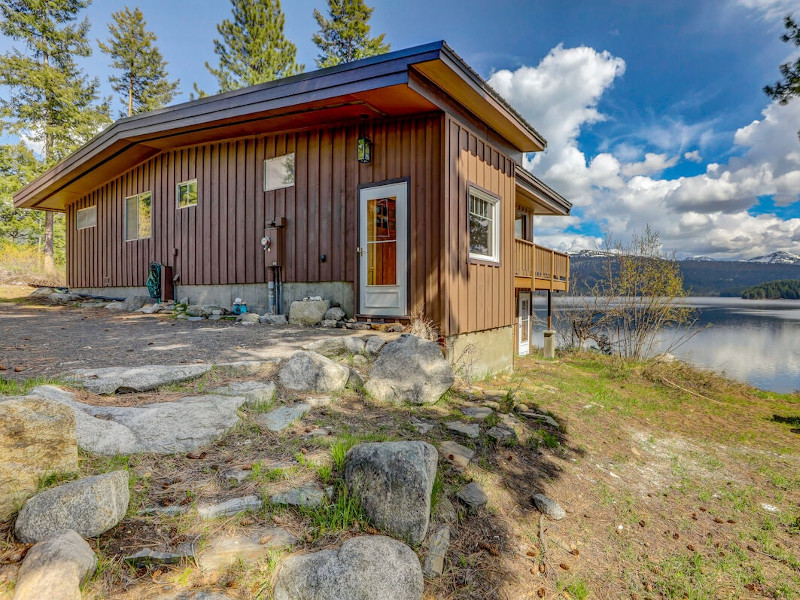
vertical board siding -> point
(218, 240)
(478, 296)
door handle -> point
(361, 251)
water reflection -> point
(757, 342)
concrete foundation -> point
(549, 344)
(255, 295)
(482, 352)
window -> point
(138, 215)
(86, 217)
(279, 172)
(484, 226)
(522, 226)
(187, 193)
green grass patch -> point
(341, 514)
(21, 387)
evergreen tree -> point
(52, 102)
(143, 80)
(789, 86)
(253, 48)
(344, 37)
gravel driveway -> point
(39, 340)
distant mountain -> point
(702, 259)
(778, 258)
(701, 276)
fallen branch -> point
(542, 541)
(683, 389)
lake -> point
(753, 341)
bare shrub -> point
(20, 263)
(422, 326)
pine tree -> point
(344, 37)
(52, 102)
(253, 48)
(789, 86)
(143, 80)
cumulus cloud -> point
(693, 156)
(621, 188)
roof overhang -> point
(374, 87)
(537, 196)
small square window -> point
(187, 193)
(484, 226)
(138, 216)
(279, 172)
(86, 217)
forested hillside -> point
(773, 290)
(700, 277)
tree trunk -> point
(48, 241)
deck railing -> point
(532, 260)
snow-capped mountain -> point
(777, 258)
(702, 259)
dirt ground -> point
(38, 340)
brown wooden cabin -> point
(391, 185)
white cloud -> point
(770, 9)
(693, 156)
(37, 145)
(620, 188)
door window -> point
(382, 241)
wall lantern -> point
(364, 150)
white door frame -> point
(524, 323)
(384, 300)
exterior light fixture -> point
(364, 150)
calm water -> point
(754, 341)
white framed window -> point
(86, 217)
(279, 172)
(138, 216)
(484, 226)
(187, 193)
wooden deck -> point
(539, 268)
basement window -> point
(138, 216)
(187, 193)
(279, 172)
(484, 226)
(86, 217)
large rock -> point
(308, 312)
(393, 481)
(334, 313)
(312, 372)
(257, 393)
(98, 436)
(162, 428)
(90, 506)
(109, 380)
(280, 418)
(202, 310)
(410, 369)
(37, 438)
(363, 568)
(180, 426)
(55, 568)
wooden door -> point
(383, 250)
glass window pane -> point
(382, 241)
(145, 216)
(131, 217)
(279, 172)
(482, 226)
(86, 217)
(187, 193)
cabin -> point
(392, 185)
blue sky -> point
(653, 110)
